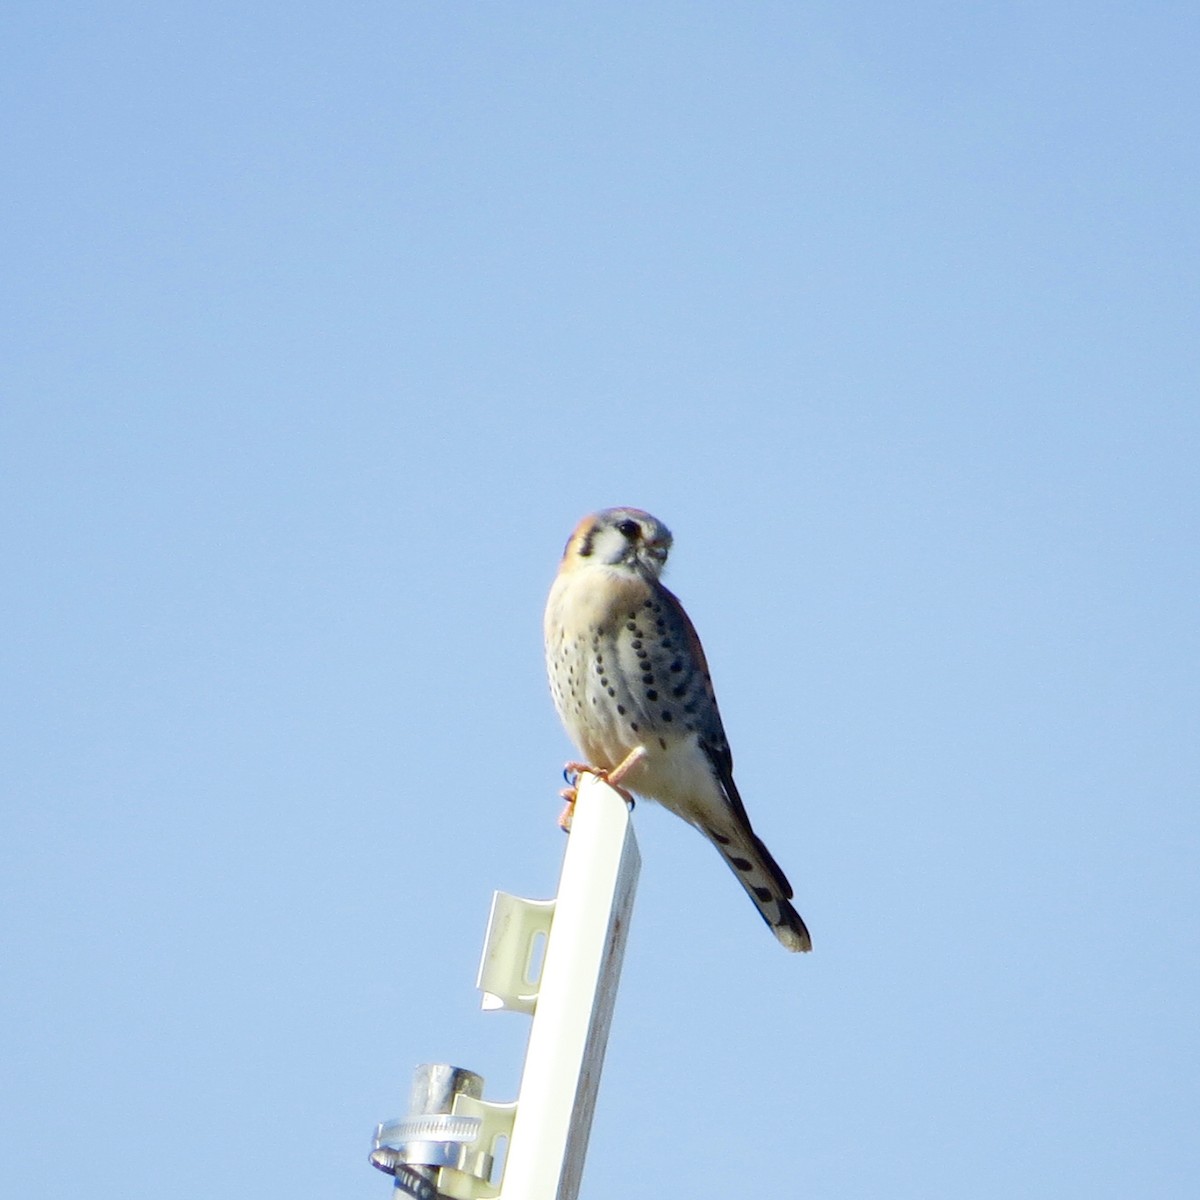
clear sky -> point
(322, 326)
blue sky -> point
(322, 326)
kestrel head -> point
(620, 537)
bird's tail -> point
(765, 884)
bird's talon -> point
(572, 771)
(568, 813)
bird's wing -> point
(713, 741)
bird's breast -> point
(622, 677)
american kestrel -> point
(631, 685)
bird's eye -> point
(629, 529)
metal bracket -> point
(448, 1144)
(510, 969)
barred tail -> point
(765, 884)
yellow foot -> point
(570, 795)
(613, 778)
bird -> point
(632, 687)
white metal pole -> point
(575, 998)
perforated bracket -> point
(513, 949)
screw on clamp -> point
(446, 1146)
